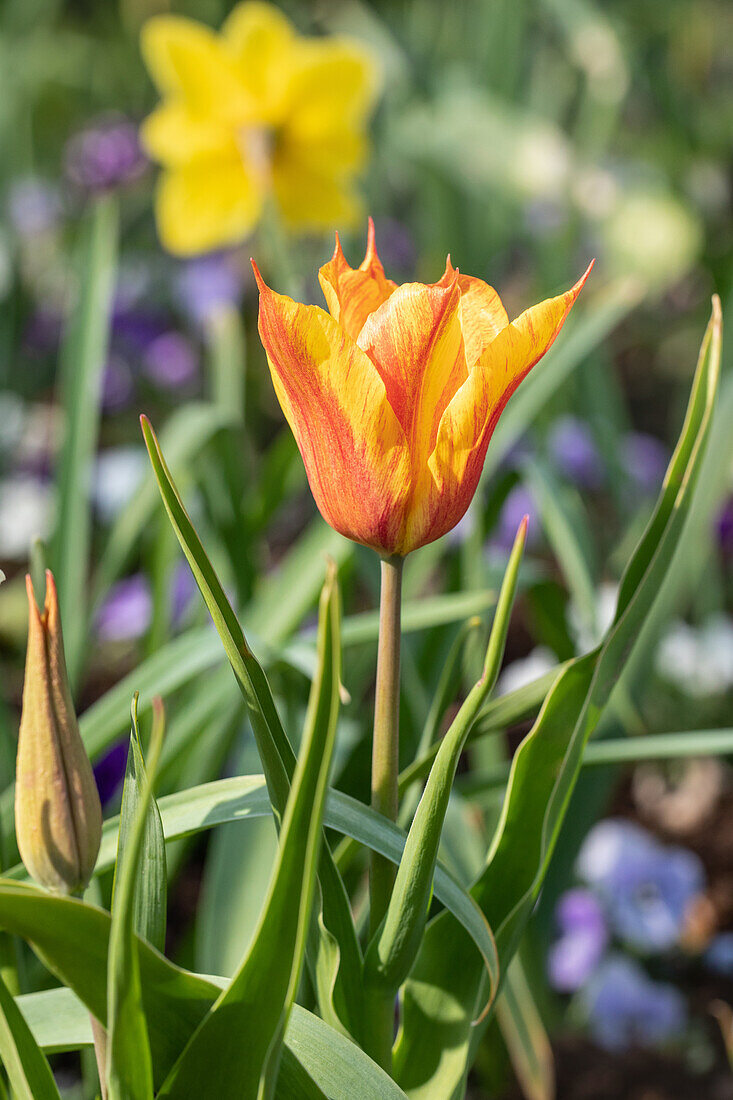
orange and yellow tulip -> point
(393, 395)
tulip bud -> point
(58, 815)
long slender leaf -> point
(59, 1022)
(129, 1071)
(258, 1000)
(544, 771)
(525, 1036)
(28, 1071)
(83, 356)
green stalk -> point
(385, 771)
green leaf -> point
(543, 774)
(28, 1071)
(525, 1036)
(59, 1021)
(258, 1000)
(397, 941)
(276, 753)
(151, 886)
(129, 1070)
(83, 356)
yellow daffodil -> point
(254, 112)
(58, 816)
(393, 395)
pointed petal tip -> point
(261, 284)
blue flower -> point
(574, 452)
(647, 887)
(626, 1008)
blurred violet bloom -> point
(208, 283)
(33, 205)
(126, 612)
(626, 1008)
(724, 528)
(647, 887)
(118, 386)
(109, 771)
(518, 504)
(182, 592)
(105, 155)
(171, 361)
(396, 246)
(645, 460)
(574, 957)
(719, 955)
(135, 327)
(575, 454)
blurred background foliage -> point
(523, 137)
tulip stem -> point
(385, 771)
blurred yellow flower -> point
(253, 112)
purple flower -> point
(724, 528)
(396, 246)
(208, 283)
(576, 954)
(626, 1008)
(34, 206)
(109, 771)
(645, 461)
(105, 155)
(575, 453)
(647, 887)
(127, 610)
(171, 361)
(518, 504)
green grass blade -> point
(25, 1063)
(129, 1070)
(525, 1036)
(261, 994)
(83, 357)
(149, 906)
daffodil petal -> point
(206, 205)
(353, 293)
(414, 339)
(174, 134)
(187, 61)
(334, 84)
(260, 39)
(335, 402)
(311, 199)
(469, 420)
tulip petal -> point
(482, 314)
(470, 418)
(260, 39)
(414, 339)
(186, 60)
(206, 205)
(335, 402)
(353, 293)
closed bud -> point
(58, 815)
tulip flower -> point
(58, 816)
(255, 113)
(394, 393)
